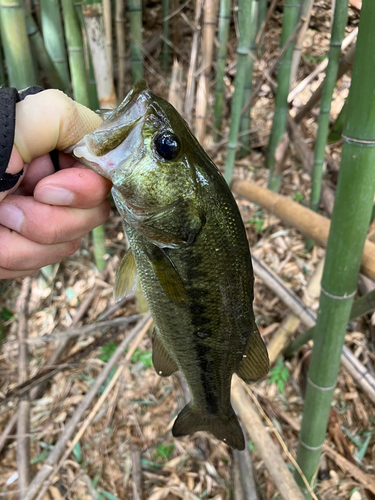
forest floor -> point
(133, 424)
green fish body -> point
(189, 248)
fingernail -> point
(11, 216)
(54, 195)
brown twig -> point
(49, 465)
(136, 472)
(23, 421)
(247, 474)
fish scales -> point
(191, 254)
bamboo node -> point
(354, 140)
(312, 448)
(338, 297)
(320, 388)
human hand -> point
(44, 216)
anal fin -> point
(255, 362)
(163, 362)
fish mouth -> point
(116, 138)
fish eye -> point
(168, 145)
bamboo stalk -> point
(344, 66)
(107, 17)
(360, 307)
(175, 88)
(310, 224)
(120, 43)
(246, 118)
(224, 22)
(23, 424)
(306, 8)
(244, 14)
(93, 16)
(166, 51)
(42, 56)
(208, 35)
(16, 46)
(53, 35)
(290, 19)
(350, 219)
(135, 14)
(338, 126)
(190, 85)
(338, 30)
(74, 43)
(321, 67)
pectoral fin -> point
(163, 362)
(167, 275)
(255, 363)
(126, 277)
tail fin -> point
(224, 427)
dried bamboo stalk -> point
(23, 423)
(310, 224)
(120, 43)
(290, 324)
(175, 88)
(107, 17)
(208, 35)
(49, 464)
(190, 86)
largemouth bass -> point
(189, 248)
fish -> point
(189, 250)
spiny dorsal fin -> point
(126, 277)
(255, 363)
(167, 276)
(163, 362)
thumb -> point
(50, 120)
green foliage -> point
(77, 453)
(144, 357)
(5, 314)
(257, 221)
(280, 375)
(298, 196)
(106, 351)
(163, 452)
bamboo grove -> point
(94, 51)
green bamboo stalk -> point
(338, 31)
(120, 43)
(291, 9)
(263, 6)
(16, 46)
(338, 126)
(244, 13)
(42, 56)
(224, 21)
(166, 51)
(246, 119)
(54, 41)
(360, 307)
(135, 14)
(73, 36)
(350, 219)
